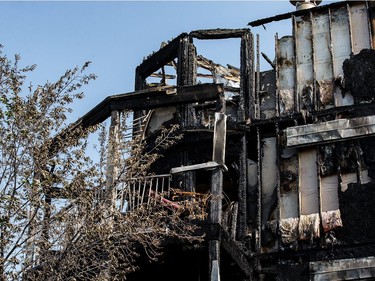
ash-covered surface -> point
(358, 214)
(359, 73)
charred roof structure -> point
(284, 157)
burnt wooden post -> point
(139, 85)
(246, 102)
(218, 155)
(246, 111)
(186, 76)
(215, 220)
(242, 191)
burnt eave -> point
(141, 100)
(301, 13)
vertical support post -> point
(242, 191)
(246, 94)
(215, 219)
(277, 83)
(110, 191)
(139, 83)
(259, 203)
(186, 76)
(257, 85)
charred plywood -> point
(158, 118)
(359, 24)
(289, 201)
(323, 40)
(308, 194)
(327, 160)
(267, 95)
(322, 53)
(329, 187)
(357, 214)
(285, 60)
(329, 202)
(304, 62)
(252, 182)
(341, 49)
(268, 186)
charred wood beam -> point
(237, 252)
(229, 73)
(182, 95)
(186, 76)
(216, 199)
(246, 98)
(238, 255)
(150, 99)
(218, 33)
(302, 12)
(214, 217)
(268, 60)
(163, 75)
(146, 99)
(160, 58)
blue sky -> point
(116, 36)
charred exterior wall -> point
(299, 163)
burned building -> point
(285, 157)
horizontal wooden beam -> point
(140, 100)
(218, 33)
(326, 132)
(168, 97)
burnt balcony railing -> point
(159, 190)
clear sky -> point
(116, 36)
